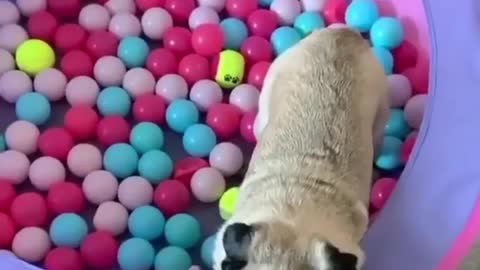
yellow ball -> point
(227, 202)
(230, 69)
(34, 55)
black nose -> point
(236, 241)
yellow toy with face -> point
(230, 69)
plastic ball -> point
(8, 231)
(227, 158)
(34, 55)
(386, 32)
(389, 156)
(113, 129)
(283, 38)
(42, 25)
(240, 8)
(256, 49)
(82, 90)
(13, 84)
(227, 202)
(224, 119)
(99, 250)
(100, 186)
(171, 87)
(76, 63)
(133, 51)
(400, 90)
(286, 10)
(9, 13)
(14, 166)
(125, 25)
(111, 217)
(101, 43)
(45, 172)
(205, 93)
(146, 222)
(262, 22)
(185, 168)
(162, 62)
(138, 81)
(22, 136)
(171, 197)
(202, 15)
(31, 244)
(33, 107)
(309, 21)
(396, 125)
(172, 258)
(135, 254)
(193, 68)
(334, 11)
(381, 190)
(3, 145)
(114, 101)
(182, 230)
(12, 36)
(361, 14)
(178, 40)
(81, 121)
(109, 71)
(120, 6)
(234, 33)
(155, 166)
(419, 76)
(216, 5)
(257, 74)
(198, 140)
(385, 58)
(135, 191)
(65, 197)
(206, 250)
(180, 9)
(55, 142)
(51, 83)
(70, 37)
(83, 159)
(146, 136)
(63, 258)
(64, 9)
(149, 108)
(407, 147)
(29, 209)
(207, 185)
(7, 195)
(313, 5)
(155, 21)
(415, 109)
(207, 39)
(245, 97)
(8, 63)
(68, 230)
(181, 114)
(144, 5)
(405, 55)
(94, 17)
(121, 159)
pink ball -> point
(50, 82)
(400, 90)
(31, 244)
(14, 166)
(100, 186)
(125, 24)
(82, 90)
(203, 15)
(28, 7)
(7, 63)
(207, 39)
(180, 9)
(139, 81)
(216, 5)
(135, 191)
(313, 5)
(84, 159)
(22, 136)
(257, 74)
(46, 171)
(111, 217)
(94, 17)
(381, 190)
(287, 10)
(256, 49)
(227, 158)
(121, 6)
(11, 36)
(240, 8)
(178, 40)
(262, 23)
(155, 22)
(246, 126)
(245, 97)
(193, 68)
(144, 5)
(337, 25)
(205, 93)
(171, 87)
(109, 71)
(414, 110)
(13, 84)
(207, 185)
(8, 13)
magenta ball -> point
(202, 15)
(240, 8)
(121, 6)
(400, 90)
(139, 81)
(245, 97)
(287, 10)
(100, 186)
(171, 87)
(9, 13)
(205, 93)
(109, 71)
(414, 110)
(124, 25)
(31, 244)
(11, 36)
(135, 191)
(207, 39)
(83, 159)
(381, 190)
(7, 63)
(82, 90)
(256, 49)
(13, 84)
(46, 171)
(22, 136)
(94, 17)
(51, 82)
(155, 21)
(227, 158)
(111, 217)
(246, 126)
(216, 5)
(262, 23)
(14, 166)
(207, 185)
(28, 7)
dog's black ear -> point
(341, 260)
(236, 241)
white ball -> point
(313, 5)
(155, 21)
(287, 10)
(245, 97)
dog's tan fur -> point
(323, 105)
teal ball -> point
(133, 51)
(114, 100)
(361, 14)
(173, 258)
(199, 140)
(234, 33)
(3, 144)
(33, 107)
(135, 254)
(396, 125)
(121, 160)
(146, 136)
(206, 252)
(385, 58)
(182, 230)
(309, 21)
(68, 230)
(283, 38)
(155, 166)
(389, 157)
(146, 222)
(181, 114)
(387, 32)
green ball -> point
(146, 222)
(396, 125)
(135, 254)
(155, 166)
(121, 160)
(182, 230)
(173, 258)
(146, 136)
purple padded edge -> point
(8, 261)
(439, 186)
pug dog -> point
(303, 202)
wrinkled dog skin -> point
(303, 202)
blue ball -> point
(155, 166)
(361, 14)
(121, 160)
(33, 107)
(389, 157)
(173, 258)
(3, 145)
(146, 222)
(283, 38)
(207, 250)
(234, 33)
(385, 58)
(309, 21)
(146, 136)
(199, 140)
(181, 114)
(386, 32)
(396, 125)
(68, 230)
(182, 230)
(114, 101)
(133, 51)
(264, 3)
(135, 254)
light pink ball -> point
(31, 244)
(121, 6)
(337, 25)
(13, 84)
(100, 186)
(82, 90)
(51, 82)
(217, 5)
(414, 110)
(7, 62)
(155, 21)
(83, 159)
(109, 71)
(207, 185)
(22, 136)
(202, 15)
(139, 81)
(227, 158)
(125, 24)
(94, 17)
(400, 90)
(28, 7)
(245, 97)
(313, 5)
(46, 171)
(171, 87)
(287, 10)
(205, 93)
(111, 217)
(8, 13)
(14, 166)
(11, 36)
(135, 191)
